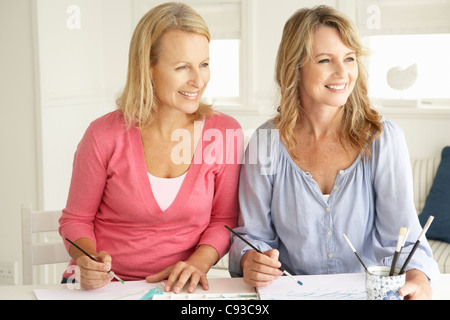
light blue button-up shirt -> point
(282, 207)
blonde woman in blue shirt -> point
(326, 165)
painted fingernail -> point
(176, 290)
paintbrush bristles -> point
(401, 236)
(405, 237)
(292, 277)
(425, 228)
(349, 243)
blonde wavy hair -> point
(138, 101)
(358, 123)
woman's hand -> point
(417, 286)
(261, 269)
(94, 274)
(193, 269)
(178, 275)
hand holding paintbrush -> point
(92, 258)
(259, 251)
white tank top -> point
(165, 190)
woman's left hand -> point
(417, 286)
(194, 268)
(178, 275)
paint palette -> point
(208, 296)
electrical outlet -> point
(8, 272)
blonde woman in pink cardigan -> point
(155, 181)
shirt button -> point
(330, 233)
(330, 256)
(327, 209)
(336, 187)
(341, 171)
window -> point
(412, 68)
(224, 21)
(409, 42)
(225, 70)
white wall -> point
(42, 121)
(82, 68)
(426, 132)
(18, 151)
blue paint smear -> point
(149, 295)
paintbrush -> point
(422, 234)
(356, 253)
(259, 251)
(400, 242)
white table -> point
(441, 289)
(217, 285)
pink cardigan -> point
(111, 202)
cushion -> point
(438, 202)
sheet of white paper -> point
(130, 290)
(317, 287)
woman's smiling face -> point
(182, 72)
(328, 78)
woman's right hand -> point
(94, 274)
(260, 270)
